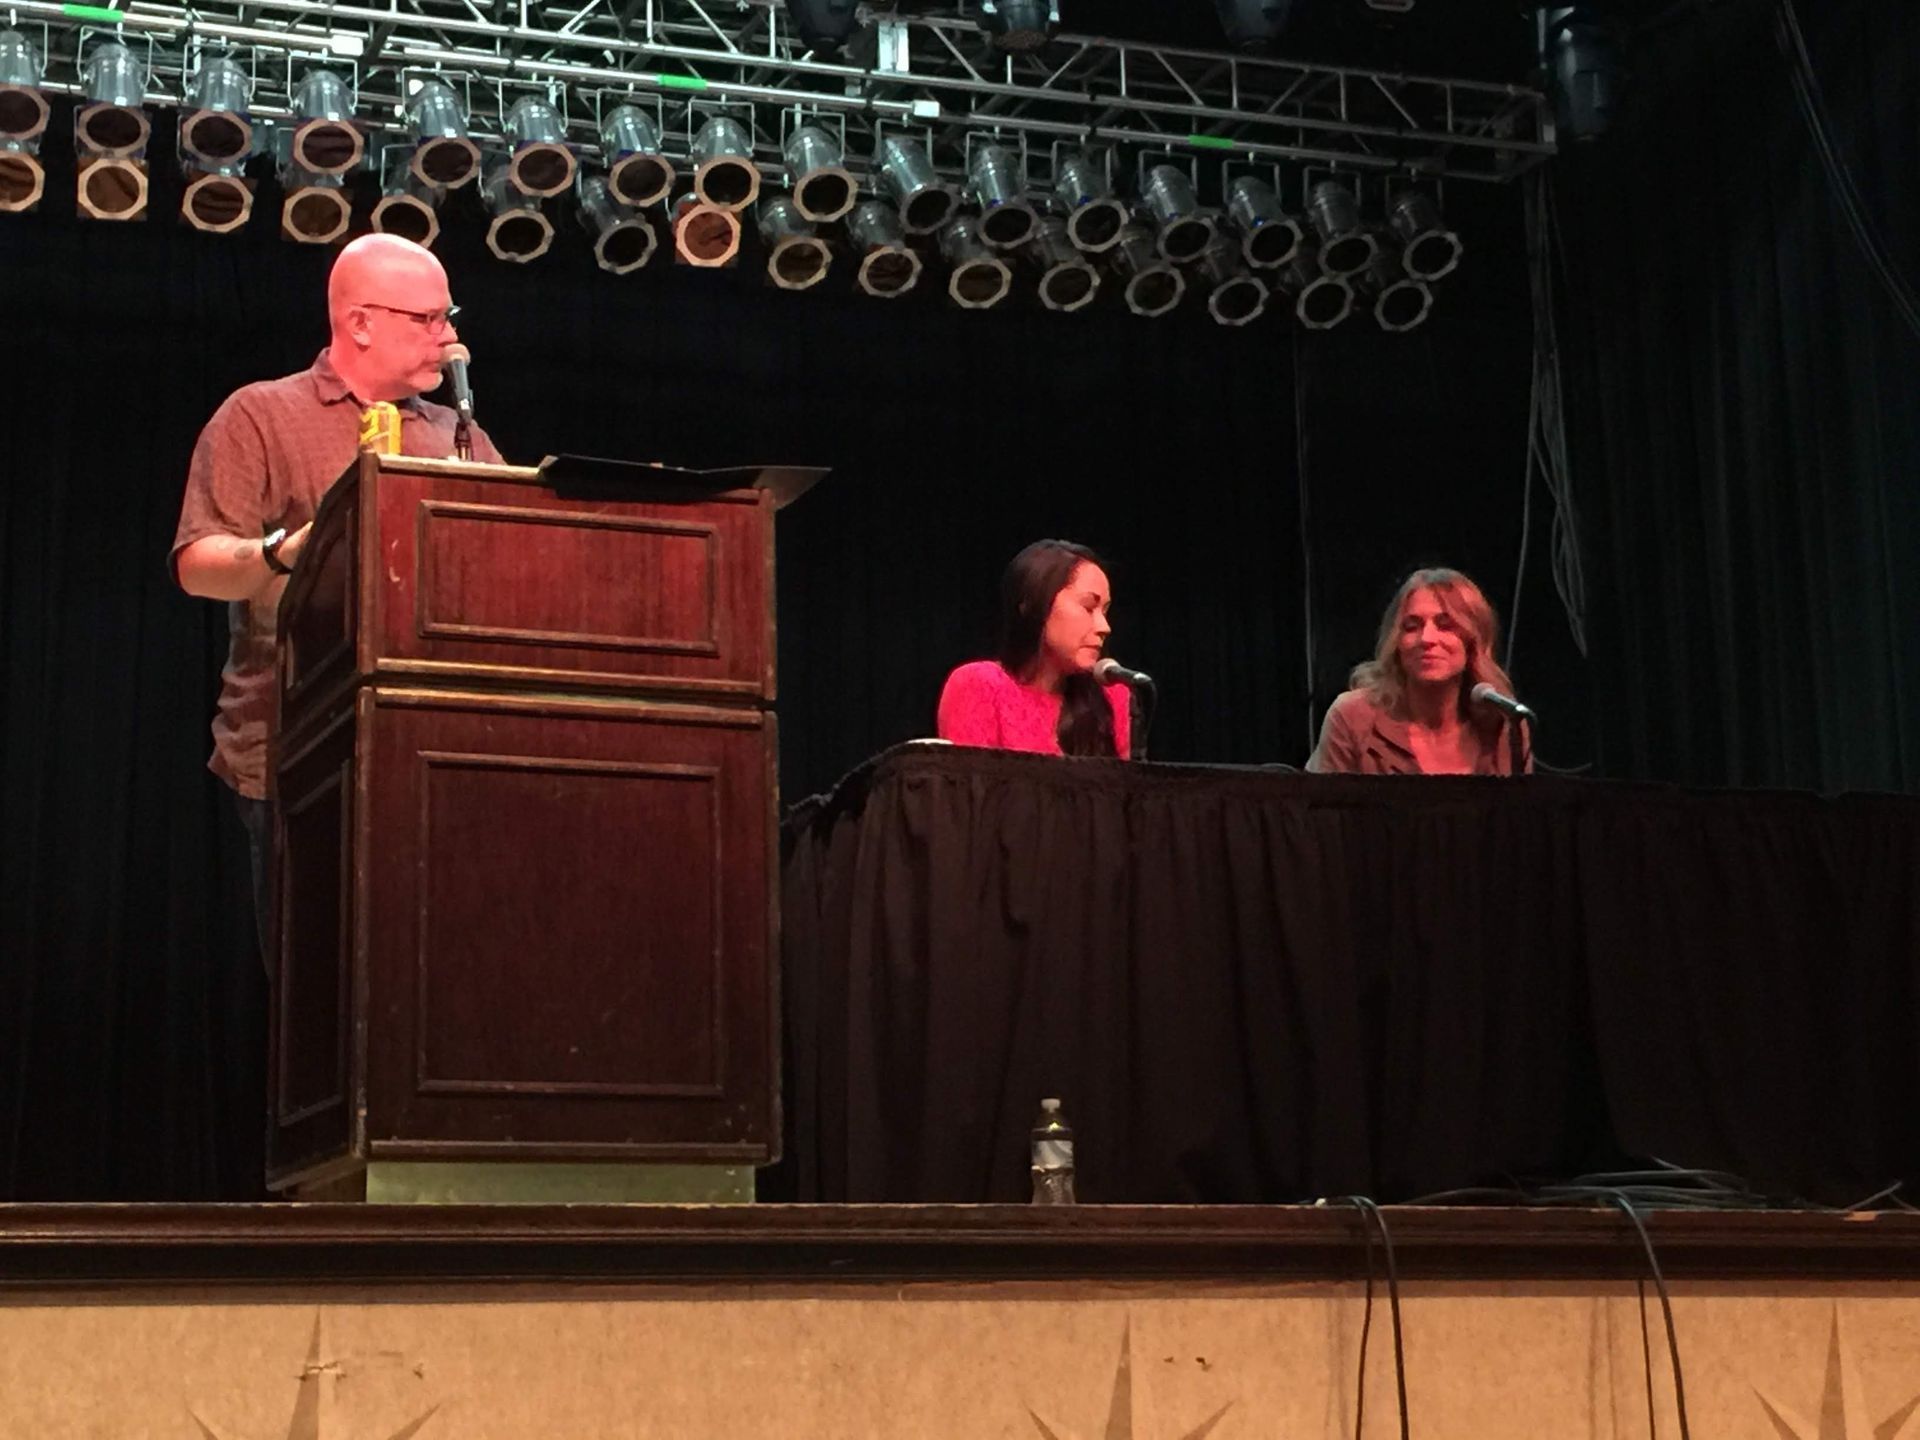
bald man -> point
(269, 454)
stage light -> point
(1235, 297)
(1067, 281)
(408, 206)
(443, 155)
(317, 208)
(704, 235)
(1185, 229)
(888, 265)
(325, 139)
(622, 239)
(1430, 248)
(1582, 61)
(517, 230)
(1020, 24)
(1094, 216)
(980, 278)
(1320, 301)
(1254, 24)
(1153, 286)
(541, 163)
(908, 178)
(638, 175)
(215, 139)
(823, 25)
(724, 174)
(23, 119)
(216, 134)
(796, 257)
(1346, 246)
(1400, 301)
(1269, 237)
(110, 131)
(999, 184)
(823, 191)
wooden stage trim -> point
(42, 1245)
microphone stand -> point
(462, 435)
(1516, 737)
(1140, 715)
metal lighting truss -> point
(932, 76)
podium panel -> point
(525, 826)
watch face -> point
(274, 539)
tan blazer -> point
(1360, 738)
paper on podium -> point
(581, 475)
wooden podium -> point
(526, 823)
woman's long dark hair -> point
(1027, 591)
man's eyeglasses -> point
(432, 321)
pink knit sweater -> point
(982, 704)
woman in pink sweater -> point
(1040, 695)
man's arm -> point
(230, 567)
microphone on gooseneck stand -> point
(1518, 716)
(454, 360)
(1143, 698)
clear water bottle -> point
(1052, 1156)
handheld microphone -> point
(454, 360)
(1485, 694)
(1109, 671)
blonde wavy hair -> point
(1385, 681)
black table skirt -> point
(1252, 985)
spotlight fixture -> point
(622, 239)
(216, 201)
(1346, 246)
(1269, 237)
(1584, 70)
(443, 155)
(1067, 281)
(110, 131)
(1400, 301)
(217, 134)
(908, 178)
(518, 230)
(1094, 216)
(317, 208)
(704, 235)
(1320, 301)
(638, 175)
(1020, 24)
(823, 191)
(996, 176)
(888, 265)
(980, 278)
(541, 163)
(408, 206)
(23, 119)
(1431, 248)
(1153, 286)
(325, 139)
(723, 170)
(1236, 297)
(1185, 229)
(1252, 25)
(796, 257)
(823, 25)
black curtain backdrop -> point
(1746, 440)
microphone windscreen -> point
(456, 352)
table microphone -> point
(454, 360)
(1485, 694)
(1109, 671)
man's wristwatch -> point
(270, 552)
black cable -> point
(1366, 1329)
(1646, 1358)
(1371, 1212)
(1666, 1310)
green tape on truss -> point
(102, 13)
(682, 82)
(1211, 142)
